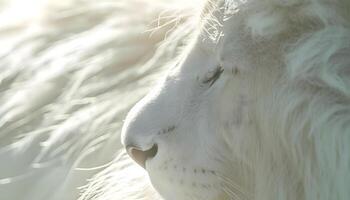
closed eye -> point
(212, 76)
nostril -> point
(140, 156)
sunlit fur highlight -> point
(67, 72)
(295, 54)
(65, 91)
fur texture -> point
(67, 69)
(274, 125)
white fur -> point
(66, 72)
(275, 125)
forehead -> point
(217, 18)
(220, 21)
(211, 19)
(215, 30)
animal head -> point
(199, 132)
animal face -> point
(175, 132)
(181, 131)
(214, 128)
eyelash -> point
(214, 77)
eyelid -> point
(214, 77)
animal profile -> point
(258, 111)
(175, 100)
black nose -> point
(140, 156)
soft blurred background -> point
(69, 72)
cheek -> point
(189, 160)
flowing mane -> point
(242, 99)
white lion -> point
(260, 112)
(256, 106)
